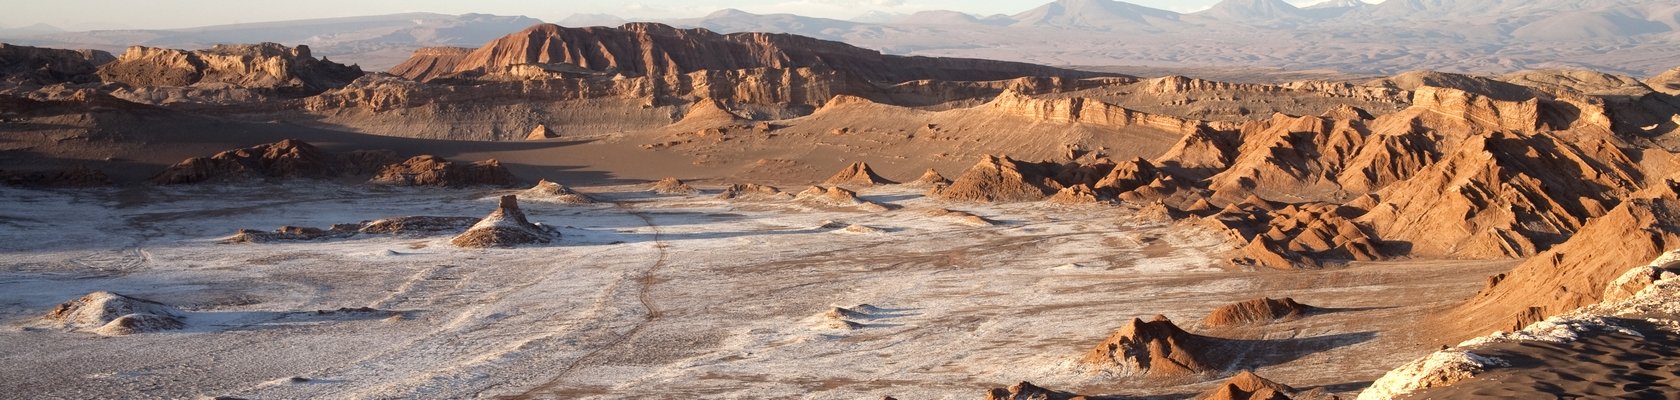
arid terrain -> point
(649, 211)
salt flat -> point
(648, 296)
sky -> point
(166, 14)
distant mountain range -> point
(1628, 36)
(377, 42)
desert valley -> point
(683, 210)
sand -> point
(1599, 365)
(654, 296)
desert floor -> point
(648, 296)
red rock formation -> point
(1577, 272)
(649, 49)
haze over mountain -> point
(376, 42)
(1627, 36)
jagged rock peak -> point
(857, 174)
(1156, 348)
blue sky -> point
(132, 14)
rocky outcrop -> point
(1073, 195)
(1029, 391)
(427, 170)
(416, 226)
(271, 67)
(1128, 176)
(25, 65)
(1156, 348)
(1256, 311)
(1296, 235)
(112, 314)
(931, 178)
(649, 49)
(1667, 82)
(1091, 111)
(857, 174)
(288, 158)
(505, 227)
(753, 191)
(1248, 386)
(550, 192)
(1001, 179)
(671, 186)
(836, 197)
